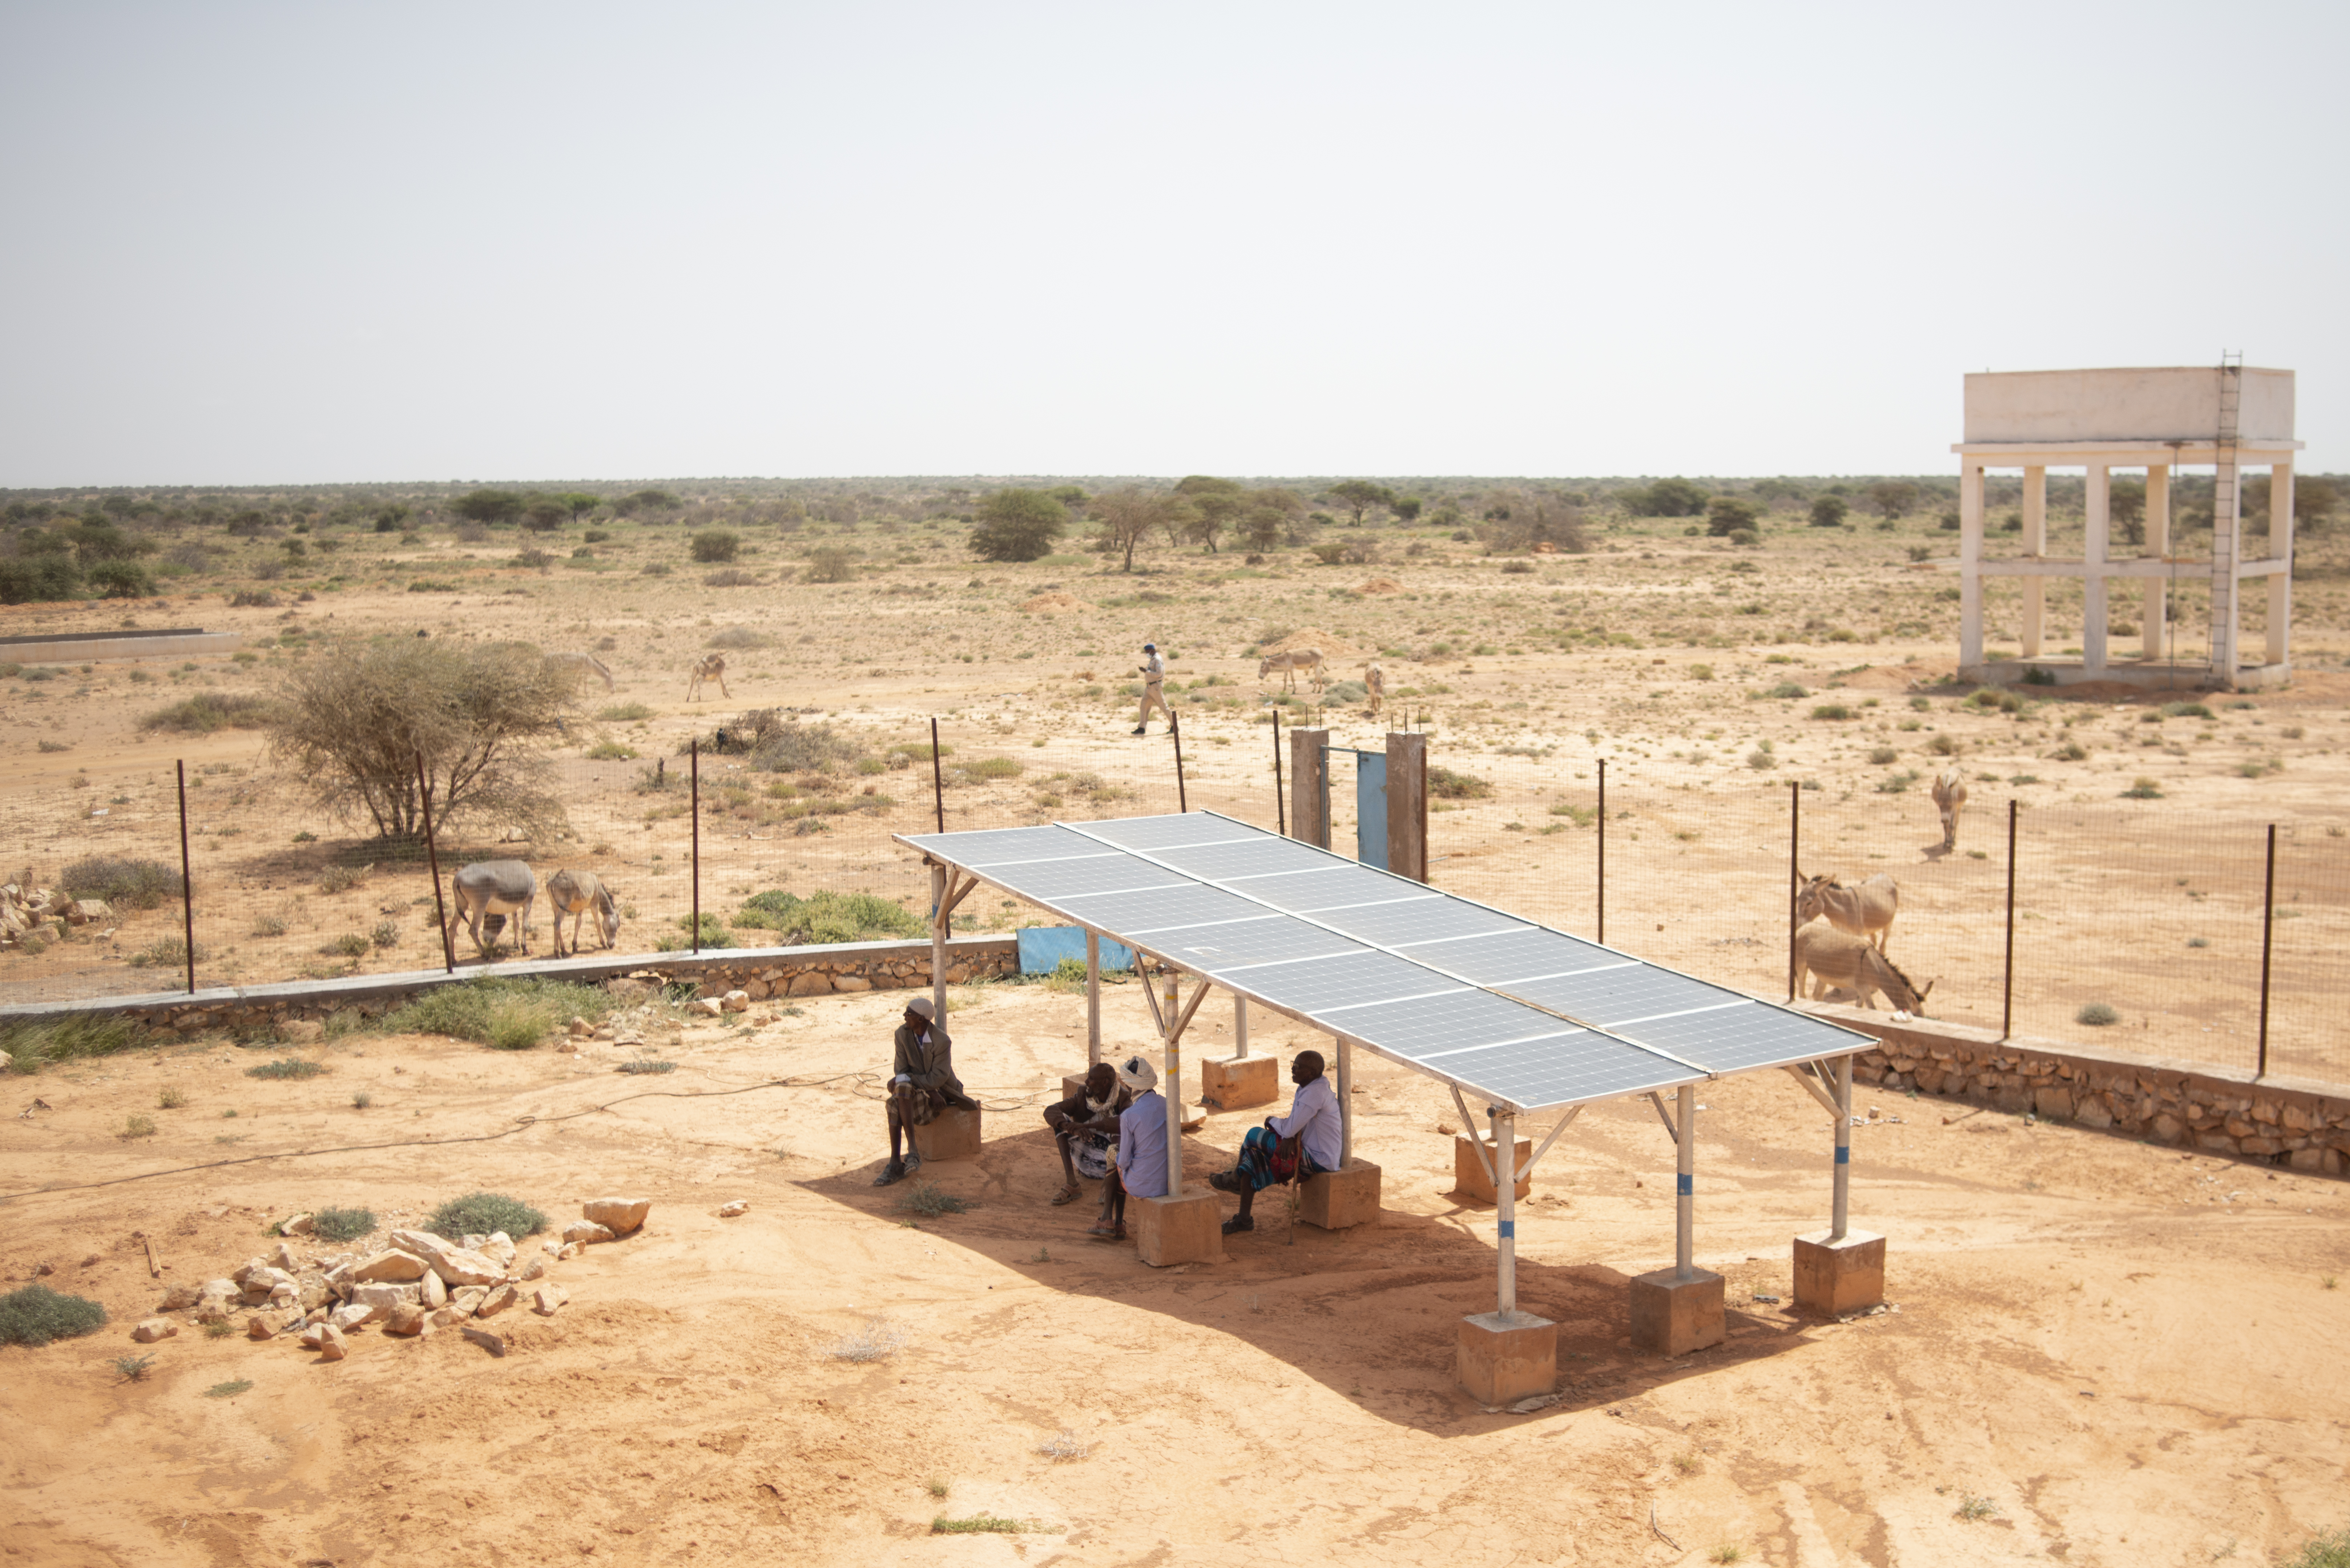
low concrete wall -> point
(762, 971)
(117, 645)
(2284, 1121)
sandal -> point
(1066, 1195)
(1106, 1232)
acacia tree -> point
(1261, 529)
(1359, 496)
(1893, 498)
(544, 514)
(1128, 516)
(1018, 525)
(579, 502)
(491, 505)
(1828, 512)
(351, 724)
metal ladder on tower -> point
(2227, 527)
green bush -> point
(129, 884)
(996, 768)
(828, 917)
(343, 1224)
(509, 1014)
(2331, 1550)
(285, 1067)
(712, 934)
(479, 1213)
(209, 710)
(1446, 785)
(121, 580)
(717, 546)
(1831, 710)
(38, 1315)
(29, 580)
(31, 1044)
(2097, 1015)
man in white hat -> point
(1141, 1167)
(1154, 674)
(922, 1082)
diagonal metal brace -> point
(1544, 1148)
(1664, 1117)
(1476, 1139)
(1798, 1071)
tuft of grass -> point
(171, 1097)
(1881, 755)
(2097, 1014)
(612, 752)
(386, 934)
(285, 1067)
(1728, 1552)
(2144, 789)
(139, 1127)
(36, 1314)
(878, 1340)
(125, 883)
(361, 1100)
(647, 1065)
(624, 712)
(2328, 1550)
(1064, 1445)
(346, 1224)
(134, 1368)
(479, 1213)
(1832, 710)
(828, 917)
(34, 1045)
(350, 944)
(981, 1524)
(1971, 1508)
(1687, 1464)
(219, 1328)
(207, 712)
(228, 1390)
(938, 1486)
(507, 1014)
(1446, 785)
(926, 1199)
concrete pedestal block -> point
(1839, 1277)
(1672, 1315)
(1501, 1360)
(1186, 1229)
(1335, 1200)
(953, 1134)
(1236, 1082)
(1071, 1085)
(1468, 1178)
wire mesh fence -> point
(2137, 923)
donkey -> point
(587, 664)
(1833, 958)
(1949, 799)
(1375, 686)
(708, 667)
(575, 893)
(1309, 659)
(1864, 908)
(491, 890)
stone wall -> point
(2282, 1121)
(764, 972)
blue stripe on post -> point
(1844, 1153)
(1688, 1184)
(1509, 1230)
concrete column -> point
(2093, 561)
(1346, 1101)
(1309, 787)
(1970, 530)
(1840, 1213)
(939, 915)
(1685, 1187)
(1240, 1026)
(2035, 543)
(2154, 628)
(2226, 549)
(1093, 1000)
(2280, 646)
(1408, 805)
(1505, 1206)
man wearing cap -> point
(922, 1082)
(1141, 1167)
(1308, 1140)
(1154, 673)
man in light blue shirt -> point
(1141, 1167)
(1308, 1140)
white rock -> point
(331, 1346)
(391, 1264)
(435, 1293)
(537, 1270)
(154, 1329)
(711, 1005)
(585, 1233)
(258, 1327)
(344, 1318)
(405, 1319)
(736, 1002)
(296, 1225)
(570, 1250)
(619, 1215)
(580, 1028)
(548, 1299)
(282, 1259)
(498, 1247)
(734, 1211)
(498, 1301)
(455, 1265)
(312, 1335)
(469, 1299)
(445, 1317)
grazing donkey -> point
(1833, 958)
(575, 893)
(1949, 799)
(587, 664)
(708, 667)
(1864, 908)
(493, 890)
(1309, 659)
(1375, 686)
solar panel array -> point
(1524, 1016)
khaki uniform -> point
(1154, 673)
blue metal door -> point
(1371, 808)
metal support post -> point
(1175, 729)
(188, 885)
(2007, 964)
(2268, 930)
(938, 779)
(433, 857)
(1842, 1213)
(1602, 938)
(1504, 1124)
(939, 915)
(1239, 1025)
(1794, 876)
(1346, 1101)
(1280, 801)
(693, 749)
(1685, 1186)
(1093, 1000)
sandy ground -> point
(2127, 1356)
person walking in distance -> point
(1154, 675)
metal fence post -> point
(2007, 963)
(433, 857)
(187, 878)
(938, 778)
(1794, 876)
(1175, 729)
(693, 753)
(1280, 803)
(1602, 938)
(2268, 930)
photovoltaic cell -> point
(1745, 1035)
(1053, 880)
(1340, 887)
(1388, 924)
(1153, 833)
(1434, 1025)
(1255, 857)
(1514, 955)
(1610, 996)
(1532, 1072)
(1355, 979)
(1246, 944)
(999, 846)
(1161, 908)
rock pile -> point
(416, 1282)
(23, 911)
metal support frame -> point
(1345, 1102)
(2268, 937)
(1093, 1000)
(1664, 1115)
(1504, 1124)
(1842, 1211)
(1685, 1186)
(1239, 1025)
(432, 857)
(1171, 1024)
(693, 749)
(187, 894)
(944, 898)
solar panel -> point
(1510, 1010)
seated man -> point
(1286, 1149)
(1141, 1167)
(922, 1082)
(1085, 1126)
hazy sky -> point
(306, 243)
